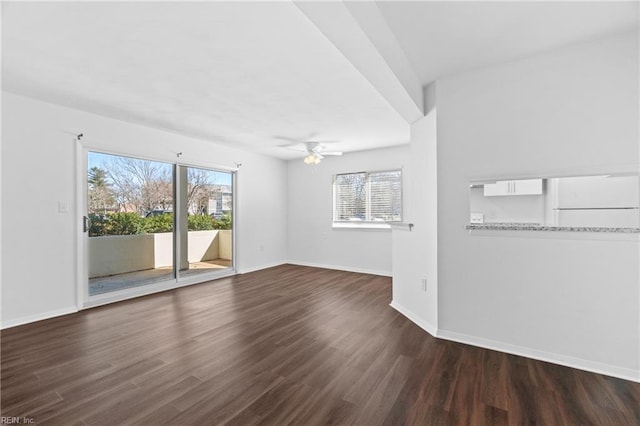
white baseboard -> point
(341, 268)
(38, 317)
(258, 268)
(568, 361)
(425, 325)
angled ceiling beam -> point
(359, 31)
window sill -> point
(360, 225)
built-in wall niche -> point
(606, 200)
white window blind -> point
(368, 197)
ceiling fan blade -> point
(309, 146)
(291, 145)
(288, 139)
(302, 139)
(291, 148)
(313, 146)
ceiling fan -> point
(315, 150)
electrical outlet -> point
(423, 284)
(477, 218)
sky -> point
(103, 160)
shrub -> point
(132, 223)
(99, 224)
(200, 223)
(124, 224)
(158, 223)
(225, 222)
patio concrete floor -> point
(101, 285)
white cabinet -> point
(513, 187)
(502, 187)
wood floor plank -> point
(494, 416)
(132, 409)
(289, 345)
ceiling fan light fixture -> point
(312, 159)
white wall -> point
(39, 171)
(312, 240)
(415, 251)
(563, 297)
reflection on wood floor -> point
(285, 345)
(101, 285)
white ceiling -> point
(238, 73)
(442, 38)
(254, 74)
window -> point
(368, 197)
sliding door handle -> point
(86, 224)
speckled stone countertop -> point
(537, 227)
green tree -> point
(101, 197)
(97, 177)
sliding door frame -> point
(83, 300)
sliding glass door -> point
(153, 223)
(129, 222)
(205, 220)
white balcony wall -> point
(203, 245)
(225, 245)
(118, 254)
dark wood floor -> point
(287, 345)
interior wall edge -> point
(415, 318)
(38, 317)
(555, 358)
(341, 268)
(260, 267)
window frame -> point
(369, 224)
